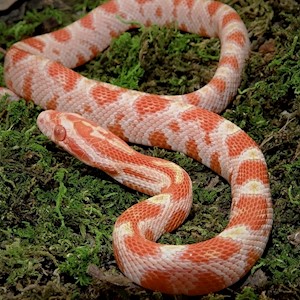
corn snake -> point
(38, 68)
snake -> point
(95, 120)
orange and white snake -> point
(39, 68)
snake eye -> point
(59, 133)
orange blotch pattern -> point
(56, 52)
(27, 85)
(251, 169)
(175, 220)
(52, 103)
(35, 43)
(136, 244)
(142, 211)
(211, 250)
(158, 281)
(209, 282)
(230, 17)
(215, 163)
(104, 95)
(116, 128)
(18, 55)
(213, 7)
(159, 12)
(118, 131)
(202, 31)
(183, 27)
(253, 256)
(63, 76)
(219, 84)
(110, 7)
(159, 139)
(231, 61)
(209, 123)
(148, 23)
(174, 126)
(192, 114)
(113, 34)
(150, 104)
(149, 234)
(164, 281)
(94, 50)
(80, 60)
(192, 149)
(193, 98)
(87, 108)
(9, 84)
(62, 35)
(87, 22)
(252, 212)
(141, 247)
(237, 37)
(207, 139)
(238, 142)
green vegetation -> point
(57, 214)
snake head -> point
(80, 137)
(67, 130)
(51, 123)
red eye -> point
(59, 133)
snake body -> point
(39, 68)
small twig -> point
(270, 137)
(107, 276)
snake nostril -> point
(59, 133)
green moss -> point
(159, 60)
(247, 294)
(29, 25)
(57, 214)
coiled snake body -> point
(38, 68)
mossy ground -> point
(57, 215)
